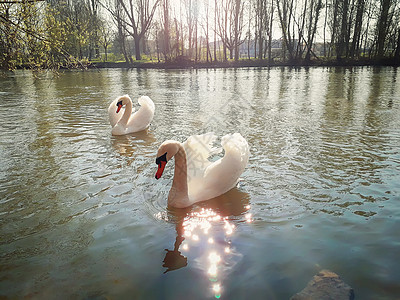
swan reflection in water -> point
(126, 145)
(204, 232)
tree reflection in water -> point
(204, 233)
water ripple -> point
(324, 163)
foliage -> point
(37, 34)
(63, 33)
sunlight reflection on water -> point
(205, 233)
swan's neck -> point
(178, 195)
(127, 113)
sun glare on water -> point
(203, 229)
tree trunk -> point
(215, 31)
(270, 32)
(177, 38)
(343, 30)
(325, 22)
(190, 28)
(397, 52)
(382, 27)
(137, 48)
(260, 8)
(313, 30)
(195, 40)
(166, 31)
(355, 45)
(283, 13)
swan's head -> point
(161, 161)
(122, 101)
(165, 152)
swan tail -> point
(235, 144)
(142, 118)
(145, 101)
(223, 174)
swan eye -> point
(119, 103)
(161, 158)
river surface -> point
(82, 216)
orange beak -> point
(119, 107)
(160, 169)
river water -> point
(82, 216)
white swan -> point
(195, 177)
(123, 121)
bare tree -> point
(136, 19)
(166, 27)
(215, 30)
(269, 30)
(383, 25)
(191, 9)
(285, 11)
(222, 25)
(248, 35)
(206, 30)
(230, 26)
(264, 11)
(355, 44)
(105, 36)
(343, 38)
(118, 16)
(315, 8)
(238, 24)
(397, 51)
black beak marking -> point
(161, 158)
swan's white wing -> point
(236, 145)
(223, 174)
(228, 168)
(198, 149)
(141, 119)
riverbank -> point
(243, 63)
(188, 64)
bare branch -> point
(19, 1)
